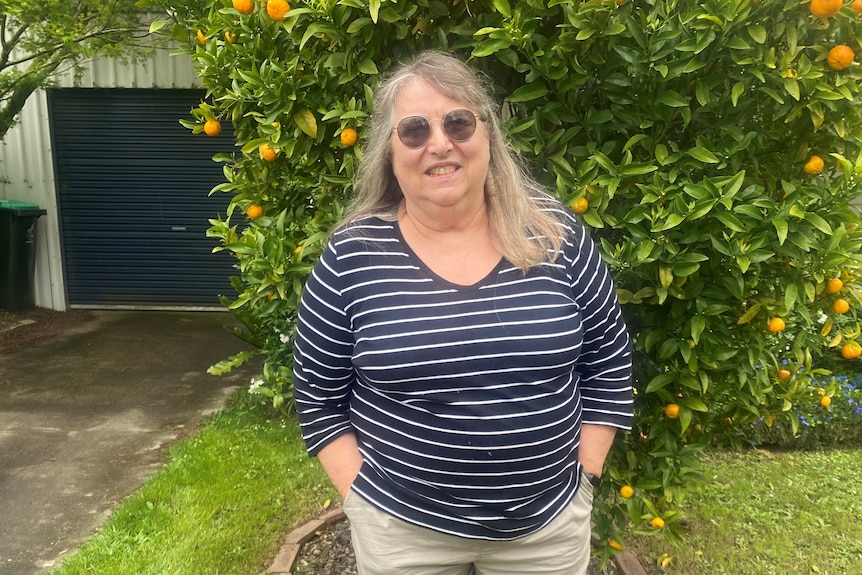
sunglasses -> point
(458, 125)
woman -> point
(461, 362)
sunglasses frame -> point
(442, 121)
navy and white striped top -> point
(466, 401)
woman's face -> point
(442, 173)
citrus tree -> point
(42, 38)
(712, 147)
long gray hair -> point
(524, 233)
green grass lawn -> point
(221, 504)
(228, 495)
(770, 513)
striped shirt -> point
(466, 401)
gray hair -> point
(525, 234)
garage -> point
(132, 190)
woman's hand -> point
(341, 460)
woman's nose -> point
(438, 141)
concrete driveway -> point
(85, 418)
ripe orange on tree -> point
(626, 491)
(840, 57)
(813, 166)
(851, 350)
(212, 127)
(202, 37)
(776, 325)
(613, 543)
(244, 7)
(277, 9)
(657, 522)
(671, 410)
(841, 305)
(783, 374)
(349, 137)
(834, 285)
(267, 153)
(857, 7)
(825, 8)
(580, 205)
(825, 401)
(254, 211)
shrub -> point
(688, 127)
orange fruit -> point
(783, 374)
(657, 522)
(299, 249)
(231, 40)
(626, 491)
(825, 8)
(825, 401)
(254, 211)
(841, 306)
(671, 410)
(212, 127)
(613, 543)
(244, 7)
(840, 57)
(776, 325)
(580, 205)
(277, 9)
(349, 137)
(813, 166)
(834, 285)
(851, 350)
(201, 37)
(857, 7)
(267, 153)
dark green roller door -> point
(133, 190)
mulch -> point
(22, 329)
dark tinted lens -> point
(414, 131)
(459, 125)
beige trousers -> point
(384, 545)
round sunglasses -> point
(458, 125)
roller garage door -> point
(133, 199)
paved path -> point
(85, 419)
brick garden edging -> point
(284, 561)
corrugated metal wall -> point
(26, 157)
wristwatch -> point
(594, 480)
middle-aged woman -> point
(461, 361)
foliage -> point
(838, 424)
(686, 127)
(40, 38)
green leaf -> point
(694, 403)
(529, 92)
(757, 33)
(672, 99)
(781, 228)
(731, 222)
(703, 155)
(503, 8)
(488, 47)
(791, 293)
(659, 382)
(368, 67)
(306, 121)
(702, 93)
(736, 92)
(818, 223)
(374, 9)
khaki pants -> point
(384, 545)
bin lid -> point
(21, 208)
